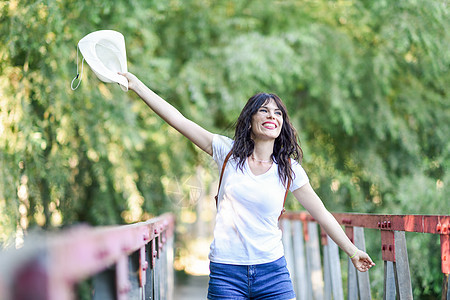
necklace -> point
(261, 161)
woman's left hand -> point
(362, 261)
(133, 81)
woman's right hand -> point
(362, 261)
(133, 81)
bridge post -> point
(389, 285)
(134, 267)
(363, 277)
(123, 285)
(358, 282)
(446, 288)
(444, 230)
(313, 261)
(170, 270)
(157, 271)
(352, 280)
(333, 268)
(287, 244)
(326, 270)
(401, 267)
(303, 281)
(149, 276)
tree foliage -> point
(366, 84)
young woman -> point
(247, 256)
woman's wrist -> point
(137, 86)
(354, 253)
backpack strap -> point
(221, 176)
(285, 196)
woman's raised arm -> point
(195, 133)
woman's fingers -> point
(132, 79)
(362, 261)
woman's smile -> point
(270, 125)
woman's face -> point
(267, 121)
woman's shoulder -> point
(221, 141)
(221, 146)
(300, 177)
(296, 166)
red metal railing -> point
(135, 261)
(300, 228)
(125, 262)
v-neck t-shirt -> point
(246, 230)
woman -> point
(247, 259)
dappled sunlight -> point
(439, 184)
(193, 258)
(317, 279)
(19, 237)
(38, 215)
(195, 222)
(187, 216)
(134, 212)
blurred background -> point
(366, 84)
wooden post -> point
(389, 285)
(313, 261)
(287, 244)
(326, 273)
(446, 288)
(303, 289)
(170, 271)
(352, 281)
(401, 267)
(149, 285)
(164, 266)
(363, 277)
(123, 285)
(335, 269)
(143, 266)
(133, 276)
(157, 271)
(445, 258)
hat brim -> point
(105, 53)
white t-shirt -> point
(246, 230)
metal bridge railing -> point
(124, 262)
(136, 261)
(312, 280)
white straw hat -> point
(105, 53)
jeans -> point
(262, 281)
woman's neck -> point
(263, 151)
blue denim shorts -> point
(262, 281)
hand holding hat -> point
(105, 53)
(133, 81)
